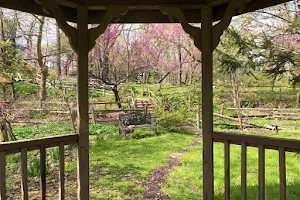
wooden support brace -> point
(234, 7)
(52, 7)
(113, 13)
(175, 13)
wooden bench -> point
(130, 120)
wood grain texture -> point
(261, 173)
(2, 176)
(43, 173)
(282, 172)
(35, 144)
(227, 170)
(290, 145)
(24, 174)
(61, 171)
(207, 102)
(244, 171)
(83, 103)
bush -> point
(171, 120)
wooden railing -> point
(279, 144)
(153, 98)
(35, 144)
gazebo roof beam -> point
(139, 12)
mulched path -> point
(152, 187)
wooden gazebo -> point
(82, 40)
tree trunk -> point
(43, 68)
(236, 97)
(2, 36)
(117, 96)
(180, 66)
(13, 91)
(4, 91)
(3, 131)
(58, 48)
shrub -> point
(171, 120)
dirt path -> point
(152, 188)
(191, 128)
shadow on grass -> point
(272, 192)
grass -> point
(118, 166)
(186, 181)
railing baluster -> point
(261, 176)
(24, 174)
(61, 171)
(244, 171)
(43, 173)
(2, 176)
(227, 169)
(282, 172)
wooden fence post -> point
(93, 113)
(275, 115)
(222, 109)
(198, 116)
(298, 99)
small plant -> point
(54, 154)
(37, 114)
(34, 168)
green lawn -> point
(186, 181)
(118, 166)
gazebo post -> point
(207, 101)
(83, 103)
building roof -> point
(141, 11)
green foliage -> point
(54, 92)
(128, 162)
(249, 101)
(37, 114)
(42, 130)
(185, 182)
(10, 59)
(235, 53)
(169, 120)
(34, 168)
(140, 133)
(54, 154)
(26, 88)
(100, 129)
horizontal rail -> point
(35, 144)
(290, 145)
(266, 109)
